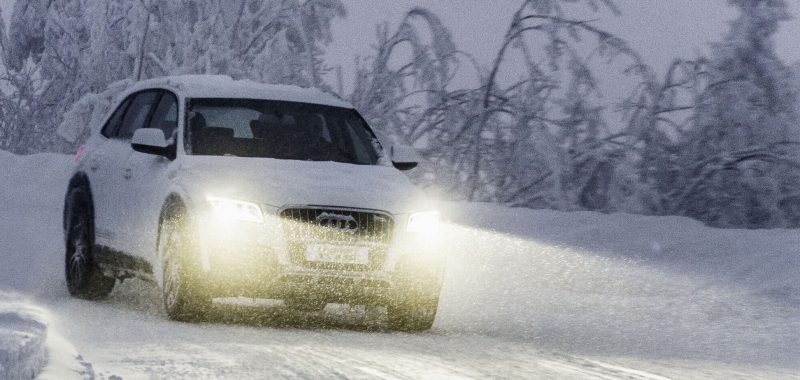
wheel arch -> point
(173, 201)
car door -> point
(122, 204)
(103, 163)
(148, 183)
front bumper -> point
(253, 260)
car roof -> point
(221, 86)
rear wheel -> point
(183, 300)
(412, 316)
(84, 278)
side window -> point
(138, 113)
(113, 123)
(165, 117)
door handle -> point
(128, 173)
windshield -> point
(279, 129)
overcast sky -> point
(660, 30)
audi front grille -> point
(314, 225)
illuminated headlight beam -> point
(423, 222)
(232, 209)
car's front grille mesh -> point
(345, 226)
(314, 225)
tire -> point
(183, 301)
(412, 316)
(299, 304)
(84, 278)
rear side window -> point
(113, 123)
(137, 114)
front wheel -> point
(183, 300)
(412, 317)
(84, 278)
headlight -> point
(423, 222)
(231, 209)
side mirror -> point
(404, 157)
(152, 141)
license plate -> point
(341, 254)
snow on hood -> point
(281, 183)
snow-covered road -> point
(528, 294)
(265, 342)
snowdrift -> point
(38, 180)
(624, 285)
(28, 345)
(23, 333)
(765, 262)
(30, 349)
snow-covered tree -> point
(21, 125)
(657, 117)
(79, 47)
(397, 94)
(736, 166)
(539, 141)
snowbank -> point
(35, 180)
(28, 345)
(624, 285)
(765, 262)
(32, 189)
(29, 348)
(23, 336)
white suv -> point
(218, 188)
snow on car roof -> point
(221, 86)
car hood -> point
(281, 183)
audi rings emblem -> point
(338, 222)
